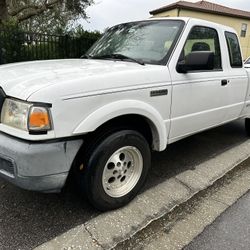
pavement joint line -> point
(184, 184)
(112, 228)
(92, 237)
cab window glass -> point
(234, 50)
(203, 39)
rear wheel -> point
(114, 170)
(247, 126)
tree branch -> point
(27, 11)
(14, 12)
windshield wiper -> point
(118, 57)
(85, 56)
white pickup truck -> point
(142, 86)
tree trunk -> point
(3, 11)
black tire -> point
(247, 126)
(92, 164)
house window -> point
(243, 30)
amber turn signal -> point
(39, 119)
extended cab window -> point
(234, 50)
(203, 39)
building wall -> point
(170, 13)
(235, 23)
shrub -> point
(11, 44)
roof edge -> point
(166, 8)
(177, 5)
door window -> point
(234, 50)
(203, 39)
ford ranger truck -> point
(97, 119)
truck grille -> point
(7, 166)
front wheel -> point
(116, 169)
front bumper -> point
(36, 166)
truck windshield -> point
(148, 42)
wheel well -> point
(134, 122)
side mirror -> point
(197, 60)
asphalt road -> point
(229, 231)
(28, 219)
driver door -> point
(199, 97)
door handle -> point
(224, 82)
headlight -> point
(25, 116)
(15, 114)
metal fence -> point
(25, 46)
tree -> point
(3, 10)
(53, 14)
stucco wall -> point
(235, 23)
(170, 13)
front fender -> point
(126, 107)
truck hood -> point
(21, 80)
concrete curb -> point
(108, 229)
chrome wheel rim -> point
(122, 171)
